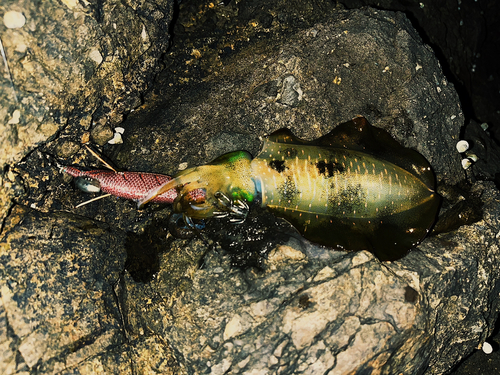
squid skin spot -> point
(328, 169)
(278, 165)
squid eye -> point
(88, 185)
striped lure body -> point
(355, 188)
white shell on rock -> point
(117, 139)
(462, 146)
(13, 19)
(472, 156)
(487, 348)
(466, 163)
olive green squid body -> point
(339, 192)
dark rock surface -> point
(181, 305)
(462, 34)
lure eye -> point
(88, 185)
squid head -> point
(221, 187)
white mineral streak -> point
(369, 339)
(13, 19)
(361, 257)
(261, 308)
(303, 326)
(321, 359)
(221, 368)
(33, 348)
(284, 253)
(324, 273)
(243, 363)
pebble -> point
(67, 148)
(116, 140)
(13, 19)
(487, 348)
(101, 134)
(462, 146)
(466, 163)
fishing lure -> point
(128, 185)
(355, 188)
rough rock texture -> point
(314, 310)
(463, 33)
(74, 62)
(351, 66)
(181, 305)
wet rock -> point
(300, 308)
(70, 59)
(67, 148)
(460, 33)
(57, 277)
(291, 93)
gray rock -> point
(182, 308)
